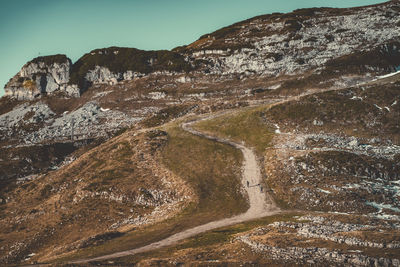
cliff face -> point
(42, 75)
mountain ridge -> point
(105, 66)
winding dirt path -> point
(261, 204)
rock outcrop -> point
(114, 64)
(40, 76)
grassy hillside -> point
(213, 170)
(210, 169)
(66, 209)
(246, 125)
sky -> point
(31, 28)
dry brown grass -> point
(53, 206)
(65, 207)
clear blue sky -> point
(74, 27)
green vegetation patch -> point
(247, 125)
(211, 168)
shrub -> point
(29, 84)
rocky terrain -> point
(265, 240)
(92, 148)
(339, 151)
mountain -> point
(95, 157)
(319, 40)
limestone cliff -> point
(40, 76)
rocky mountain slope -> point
(339, 151)
(79, 150)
